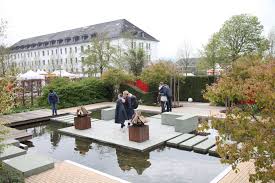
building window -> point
(61, 61)
(71, 49)
(56, 51)
(75, 49)
(61, 51)
(48, 62)
(65, 50)
(34, 54)
(141, 45)
(43, 62)
(66, 61)
(48, 52)
(89, 47)
(71, 61)
(37, 52)
(76, 60)
(82, 49)
(52, 52)
(43, 53)
(133, 45)
(82, 59)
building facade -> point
(65, 50)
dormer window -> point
(93, 35)
(39, 44)
(84, 37)
(76, 38)
(46, 43)
(53, 42)
(67, 39)
(60, 41)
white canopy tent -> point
(41, 72)
(63, 73)
(30, 75)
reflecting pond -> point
(163, 164)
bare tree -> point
(3, 48)
(184, 55)
(271, 38)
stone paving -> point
(67, 119)
(70, 172)
(111, 133)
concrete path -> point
(71, 172)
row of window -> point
(49, 62)
(140, 45)
(49, 52)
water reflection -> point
(82, 145)
(55, 138)
(132, 159)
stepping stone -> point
(68, 119)
(11, 142)
(213, 151)
(168, 118)
(11, 151)
(29, 164)
(108, 114)
(156, 116)
(186, 123)
(204, 146)
(23, 146)
(176, 141)
(189, 144)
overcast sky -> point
(171, 21)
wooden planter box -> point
(82, 123)
(139, 133)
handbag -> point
(163, 99)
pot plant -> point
(82, 120)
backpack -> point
(134, 102)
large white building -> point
(64, 50)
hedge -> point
(190, 87)
(76, 93)
(193, 87)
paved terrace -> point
(71, 172)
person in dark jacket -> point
(53, 100)
(128, 105)
(163, 97)
(169, 98)
(120, 112)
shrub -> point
(75, 93)
(193, 87)
(8, 176)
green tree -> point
(100, 55)
(241, 35)
(249, 123)
(158, 72)
(211, 54)
(116, 77)
(136, 60)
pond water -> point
(163, 164)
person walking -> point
(169, 98)
(163, 97)
(128, 104)
(120, 112)
(53, 100)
